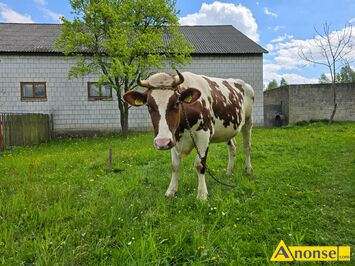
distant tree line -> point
(273, 84)
(345, 75)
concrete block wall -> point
(315, 101)
(68, 100)
(276, 102)
(310, 102)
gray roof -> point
(221, 39)
(39, 38)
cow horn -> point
(178, 80)
(143, 83)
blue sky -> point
(280, 26)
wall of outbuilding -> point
(67, 100)
(309, 102)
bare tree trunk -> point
(123, 107)
(124, 122)
(334, 103)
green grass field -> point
(60, 206)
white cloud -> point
(292, 78)
(283, 37)
(219, 13)
(270, 68)
(9, 15)
(268, 12)
(270, 73)
(352, 20)
(269, 47)
(328, 76)
(286, 50)
(276, 28)
(52, 15)
(41, 2)
(47, 13)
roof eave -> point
(57, 53)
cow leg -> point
(246, 131)
(202, 144)
(200, 169)
(175, 162)
(231, 146)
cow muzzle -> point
(163, 143)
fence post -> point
(51, 126)
(7, 131)
(110, 160)
(1, 133)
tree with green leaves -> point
(283, 82)
(122, 40)
(346, 75)
(323, 79)
(272, 85)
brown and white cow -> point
(217, 109)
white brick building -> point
(27, 55)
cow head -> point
(164, 98)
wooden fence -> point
(24, 129)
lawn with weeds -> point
(59, 205)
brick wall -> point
(67, 99)
(310, 101)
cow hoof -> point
(229, 172)
(249, 170)
(202, 196)
(170, 193)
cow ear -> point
(135, 98)
(189, 95)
